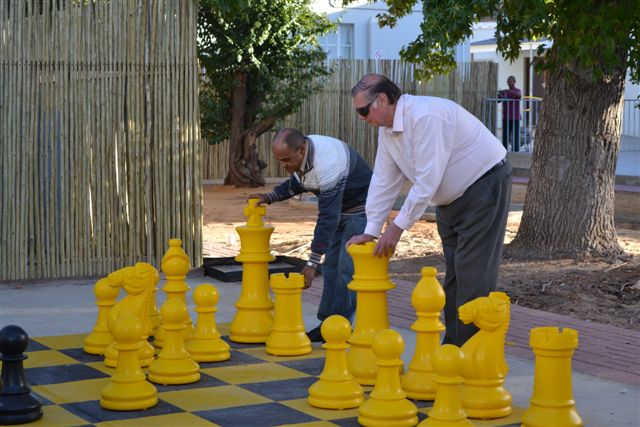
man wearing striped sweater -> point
(339, 177)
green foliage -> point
(271, 43)
(586, 32)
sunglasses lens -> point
(363, 111)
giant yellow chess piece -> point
(485, 368)
(448, 362)
(174, 364)
(100, 338)
(387, 405)
(371, 282)
(128, 389)
(336, 388)
(175, 266)
(428, 299)
(288, 337)
(138, 282)
(552, 401)
(206, 345)
(253, 321)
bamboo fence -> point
(330, 112)
(99, 136)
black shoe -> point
(315, 335)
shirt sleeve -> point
(286, 190)
(384, 188)
(431, 155)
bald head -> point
(374, 84)
(289, 147)
(290, 137)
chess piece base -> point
(392, 413)
(327, 395)
(288, 344)
(129, 396)
(19, 409)
(165, 371)
(215, 350)
(494, 403)
(97, 342)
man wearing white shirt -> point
(454, 163)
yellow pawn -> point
(206, 344)
(288, 337)
(336, 388)
(552, 401)
(98, 340)
(174, 365)
(387, 405)
(253, 320)
(371, 282)
(128, 390)
(448, 362)
(428, 299)
(175, 266)
(485, 368)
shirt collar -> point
(307, 160)
(398, 116)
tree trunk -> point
(245, 169)
(569, 205)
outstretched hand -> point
(262, 198)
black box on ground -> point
(228, 269)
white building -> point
(359, 36)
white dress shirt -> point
(438, 146)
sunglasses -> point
(364, 111)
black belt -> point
(494, 168)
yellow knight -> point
(485, 367)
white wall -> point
(371, 41)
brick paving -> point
(604, 351)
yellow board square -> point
(168, 420)
(74, 391)
(259, 372)
(38, 359)
(56, 416)
(260, 353)
(324, 414)
(200, 399)
(62, 342)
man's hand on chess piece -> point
(262, 198)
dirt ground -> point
(589, 289)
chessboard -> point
(251, 389)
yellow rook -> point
(552, 402)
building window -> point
(339, 44)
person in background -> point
(336, 173)
(511, 114)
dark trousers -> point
(511, 133)
(472, 230)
